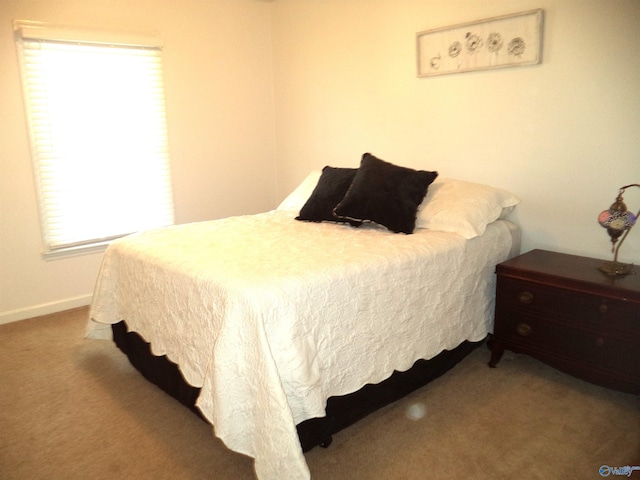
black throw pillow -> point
(331, 188)
(386, 194)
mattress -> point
(270, 317)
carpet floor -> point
(72, 408)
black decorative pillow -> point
(331, 188)
(385, 194)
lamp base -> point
(616, 268)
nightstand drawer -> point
(562, 310)
(582, 310)
(536, 335)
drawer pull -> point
(603, 308)
(600, 341)
(523, 329)
(525, 297)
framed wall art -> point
(497, 42)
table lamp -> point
(618, 222)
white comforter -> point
(271, 316)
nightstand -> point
(565, 312)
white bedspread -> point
(271, 316)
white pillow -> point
(296, 199)
(462, 207)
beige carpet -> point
(72, 408)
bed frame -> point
(342, 411)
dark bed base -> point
(341, 411)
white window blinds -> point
(99, 136)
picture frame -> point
(497, 42)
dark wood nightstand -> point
(565, 312)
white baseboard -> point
(44, 309)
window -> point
(98, 132)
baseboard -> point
(44, 309)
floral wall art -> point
(497, 42)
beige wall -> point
(282, 87)
(563, 135)
(219, 93)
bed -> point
(272, 325)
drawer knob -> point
(525, 297)
(524, 329)
(600, 341)
(603, 308)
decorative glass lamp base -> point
(616, 268)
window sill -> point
(75, 251)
